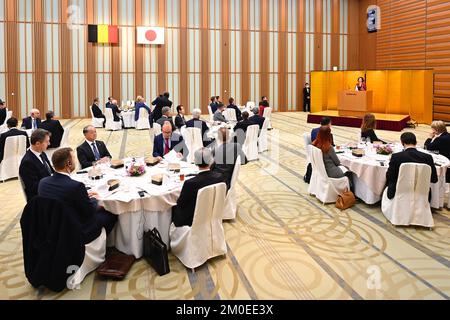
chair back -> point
(156, 129)
(250, 146)
(236, 170)
(15, 148)
(316, 158)
(230, 114)
(307, 141)
(65, 138)
(262, 139)
(211, 114)
(207, 225)
(143, 122)
(193, 140)
(268, 114)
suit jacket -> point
(97, 112)
(2, 116)
(137, 107)
(116, 112)
(27, 123)
(407, 156)
(238, 112)
(257, 119)
(159, 103)
(240, 130)
(180, 121)
(441, 144)
(108, 104)
(57, 131)
(164, 119)
(74, 195)
(214, 107)
(306, 95)
(86, 155)
(10, 133)
(183, 212)
(371, 135)
(225, 156)
(197, 123)
(31, 171)
(332, 163)
(176, 143)
(314, 133)
(218, 116)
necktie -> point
(166, 146)
(34, 124)
(96, 153)
(47, 167)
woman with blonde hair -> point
(368, 128)
(439, 140)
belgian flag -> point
(103, 33)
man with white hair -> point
(183, 212)
(116, 111)
(166, 118)
(196, 122)
(33, 121)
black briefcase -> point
(155, 252)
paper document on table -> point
(122, 197)
(172, 157)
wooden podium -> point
(354, 103)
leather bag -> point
(155, 252)
(345, 200)
(116, 266)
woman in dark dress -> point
(368, 128)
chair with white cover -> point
(193, 140)
(268, 114)
(156, 129)
(325, 189)
(94, 256)
(4, 126)
(64, 144)
(96, 122)
(143, 122)
(110, 123)
(250, 146)
(15, 148)
(410, 204)
(230, 209)
(205, 239)
(307, 141)
(262, 139)
(230, 114)
(211, 114)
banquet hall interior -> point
(274, 228)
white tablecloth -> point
(136, 214)
(128, 119)
(370, 176)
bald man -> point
(166, 141)
(33, 121)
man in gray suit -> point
(218, 116)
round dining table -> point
(139, 204)
(370, 174)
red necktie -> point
(166, 146)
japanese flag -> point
(150, 35)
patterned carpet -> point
(284, 244)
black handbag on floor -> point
(155, 252)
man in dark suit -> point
(97, 113)
(410, 154)
(326, 121)
(166, 118)
(159, 103)
(91, 149)
(73, 194)
(55, 128)
(166, 141)
(214, 104)
(225, 155)
(179, 119)
(116, 111)
(3, 112)
(196, 122)
(35, 164)
(306, 98)
(109, 102)
(439, 141)
(13, 131)
(256, 118)
(240, 129)
(33, 121)
(183, 212)
(236, 109)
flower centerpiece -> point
(384, 149)
(136, 170)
